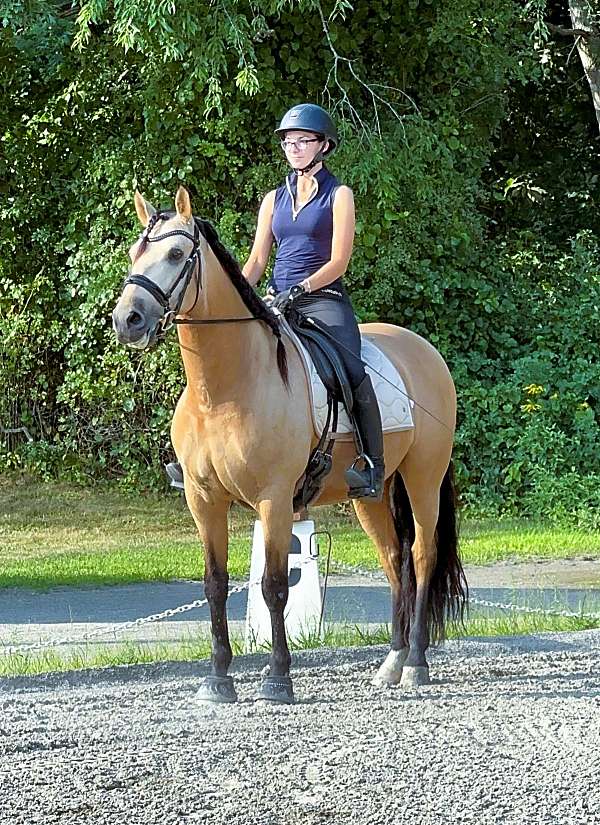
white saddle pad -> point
(394, 404)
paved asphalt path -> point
(27, 615)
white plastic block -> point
(303, 609)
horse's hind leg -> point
(377, 521)
(211, 521)
(440, 582)
(425, 507)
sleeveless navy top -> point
(303, 238)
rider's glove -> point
(283, 300)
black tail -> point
(448, 590)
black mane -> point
(256, 306)
(252, 301)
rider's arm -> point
(258, 259)
(341, 242)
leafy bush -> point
(469, 231)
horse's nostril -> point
(134, 319)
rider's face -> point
(301, 147)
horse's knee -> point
(275, 591)
(216, 584)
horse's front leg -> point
(276, 517)
(211, 520)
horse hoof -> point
(218, 689)
(414, 676)
(390, 672)
(277, 689)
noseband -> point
(185, 276)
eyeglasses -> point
(300, 144)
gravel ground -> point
(509, 732)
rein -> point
(213, 320)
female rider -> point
(311, 219)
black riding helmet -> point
(310, 118)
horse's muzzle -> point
(133, 329)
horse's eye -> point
(175, 254)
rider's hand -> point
(269, 296)
(283, 300)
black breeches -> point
(335, 314)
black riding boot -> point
(368, 482)
(175, 474)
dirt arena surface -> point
(508, 732)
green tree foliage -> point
(468, 138)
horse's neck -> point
(220, 359)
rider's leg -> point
(336, 315)
(368, 481)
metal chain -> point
(184, 608)
(117, 628)
(103, 631)
(569, 614)
(123, 626)
(359, 571)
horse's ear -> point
(183, 203)
(144, 209)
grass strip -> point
(336, 636)
(54, 534)
(182, 559)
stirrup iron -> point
(363, 483)
(174, 474)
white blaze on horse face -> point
(162, 261)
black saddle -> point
(332, 372)
(326, 358)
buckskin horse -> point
(242, 431)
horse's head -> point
(165, 261)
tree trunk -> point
(588, 48)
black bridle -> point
(192, 265)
